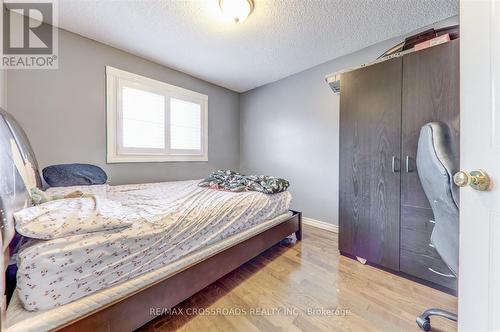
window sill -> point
(154, 159)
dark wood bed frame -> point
(133, 310)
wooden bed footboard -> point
(137, 309)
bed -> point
(130, 300)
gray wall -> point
(63, 112)
(290, 128)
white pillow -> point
(71, 216)
(100, 190)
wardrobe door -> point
(430, 93)
(370, 141)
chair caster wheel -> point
(424, 323)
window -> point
(149, 121)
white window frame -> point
(116, 153)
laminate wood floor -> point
(307, 286)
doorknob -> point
(477, 179)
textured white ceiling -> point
(279, 38)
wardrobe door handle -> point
(407, 162)
(395, 168)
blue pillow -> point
(73, 175)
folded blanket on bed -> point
(236, 182)
(72, 216)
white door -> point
(479, 271)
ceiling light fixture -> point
(236, 10)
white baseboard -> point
(320, 224)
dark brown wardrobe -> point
(384, 215)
